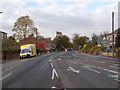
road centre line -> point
(91, 69)
(101, 62)
(59, 59)
(114, 66)
(73, 62)
(102, 68)
(6, 76)
(53, 87)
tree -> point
(118, 39)
(8, 43)
(61, 42)
(58, 33)
(94, 39)
(75, 39)
(79, 40)
(24, 27)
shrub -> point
(11, 50)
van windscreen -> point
(24, 51)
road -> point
(63, 70)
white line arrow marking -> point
(72, 69)
(54, 73)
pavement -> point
(58, 70)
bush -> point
(103, 48)
(11, 50)
(117, 49)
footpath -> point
(9, 64)
(98, 57)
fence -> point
(109, 54)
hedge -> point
(11, 50)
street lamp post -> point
(112, 34)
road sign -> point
(103, 42)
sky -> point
(84, 17)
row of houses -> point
(44, 43)
(107, 39)
(3, 35)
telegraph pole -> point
(113, 34)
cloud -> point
(54, 15)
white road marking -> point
(72, 69)
(73, 62)
(100, 62)
(91, 69)
(6, 76)
(51, 64)
(106, 69)
(114, 76)
(50, 60)
(117, 80)
(114, 66)
(54, 73)
(59, 59)
(53, 87)
(102, 68)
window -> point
(24, 51)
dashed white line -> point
(53, 87)
(107, 70)
(59, 59)
(102, 68)
(100, 62)
(50, 60)
(6, 76)
(92, 70)
(114, 66)
(73, 62)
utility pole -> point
(113, 34)
(36, 38)
(36, 41)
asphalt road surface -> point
(63, 70)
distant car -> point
(68, 49)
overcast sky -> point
(68, 16)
